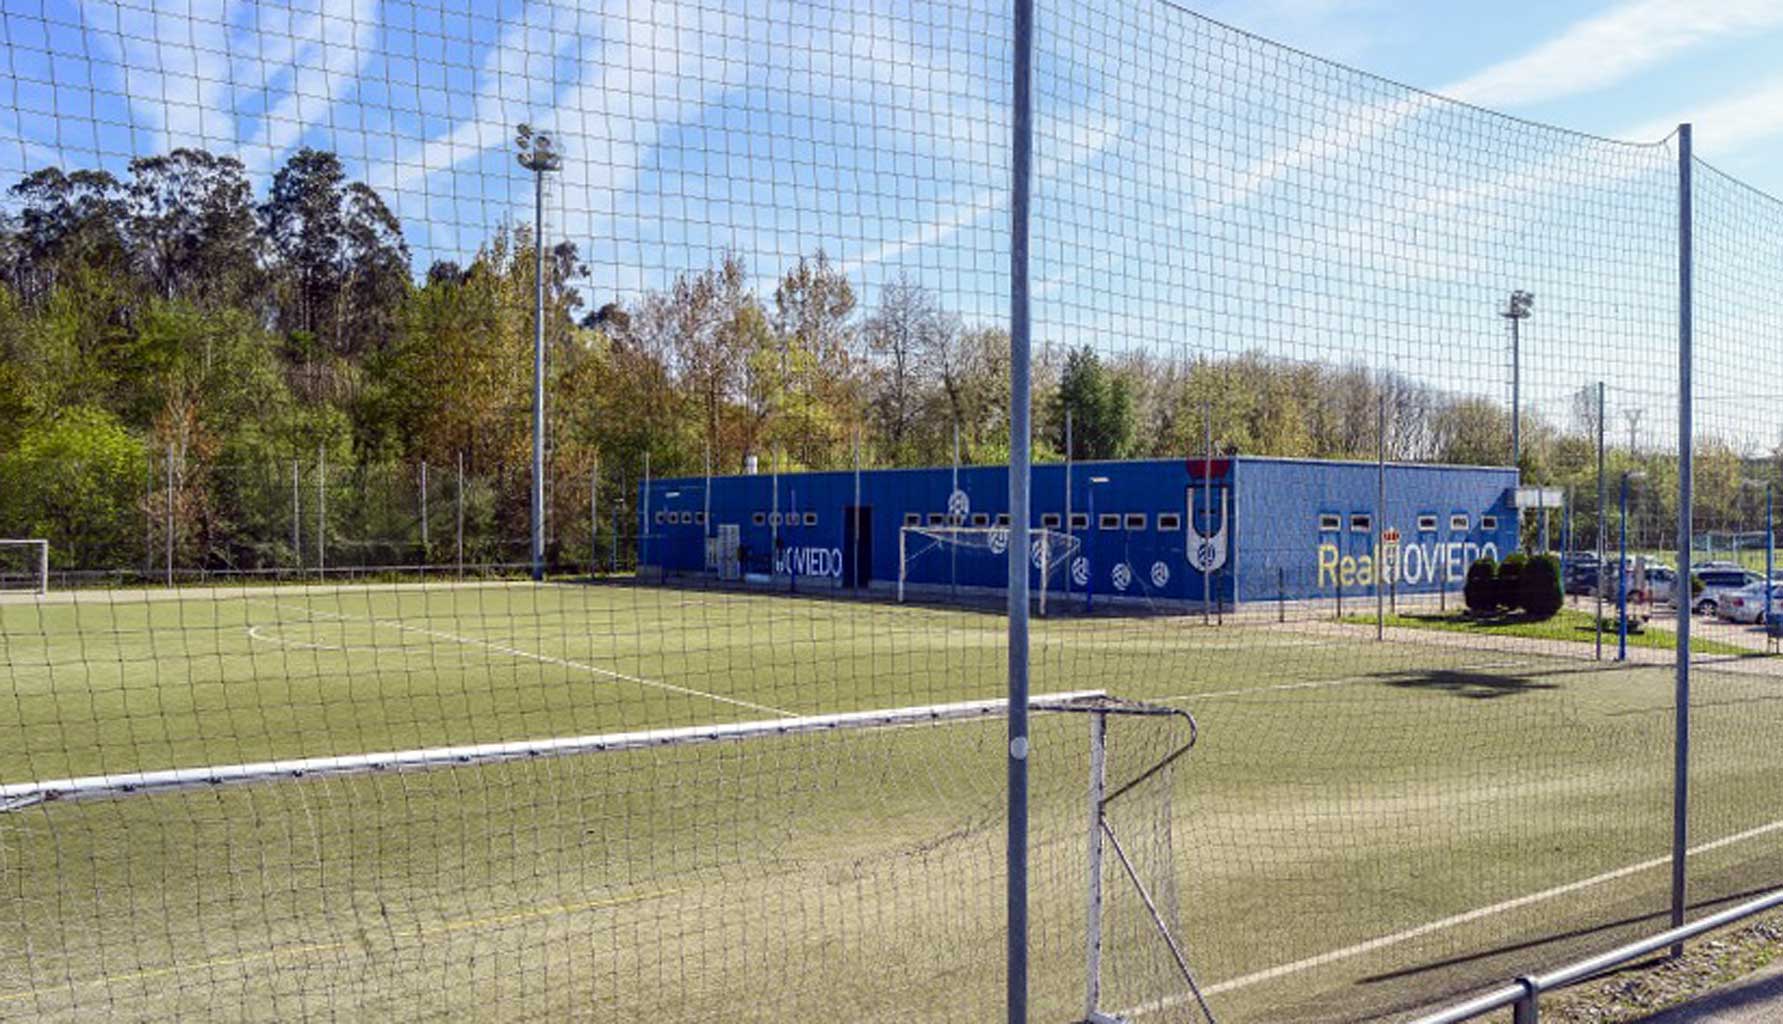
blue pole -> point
(1686, 509)
(1622, 578)
(1089, 586)
(1020, 511)
(1770, 551)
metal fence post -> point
(321, 511)
(1380, 518)
(148, 519)
(854, 550)
(1527, 1010)
(1681, 742)
(425, 548)
(1021, 158)
(1602, 530)
(1207, 499)
(1093, 931)
(297, 513)
(169, 515)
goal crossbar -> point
(17, 796)
(1046, 550)
(40, 549)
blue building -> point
(1240, 529)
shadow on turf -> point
(1656, 917)
(1464, 683)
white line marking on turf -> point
(547, 659)
(259, 633)
(1283, 970)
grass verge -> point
(1569, 625)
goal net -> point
(25, 565)
(954, 560)
(792, 865)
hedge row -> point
(1529, 584)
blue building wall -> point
(1259, 527)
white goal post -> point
(37, 563)
(1049, 551)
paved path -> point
(1754, 1000)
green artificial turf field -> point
(1362, 826)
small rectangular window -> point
(1003, 519)
(937, 519)
(981, 519)
(810, 519)
(1050, 520)
(1361, 522)
(1329, 522)
(1135, 520)
(1426, 524)
(1109, 521)
(1488, 523)
(1080, 520)
(759, 518)
(1458, 522)
(912, 519)
(1168, 521)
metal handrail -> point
(1524, 994)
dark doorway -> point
(857, 545)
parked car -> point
(1580, 576)
(1662, 584)
(1717, 584)
(1746, 605)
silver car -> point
(1746, 605)
(1717, 584)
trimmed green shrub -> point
(1481, 589)
(1509, 592)
(1538, 589)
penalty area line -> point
(543, 659)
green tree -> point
(75, 480)
(1100, 405)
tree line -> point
(171, 318)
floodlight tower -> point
(1516, 311)
(538, 153)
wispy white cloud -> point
(515, 82)
(175, 67)
(325, 53)
(1610, 47)
(1726, 125)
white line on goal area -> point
(1479, 913)
(26, 794)
(516, 652)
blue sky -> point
(1628, 70)
(1198, 191)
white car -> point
(1746, 605)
